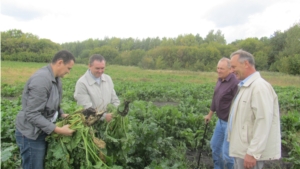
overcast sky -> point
(78, 20)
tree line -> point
(280, 52)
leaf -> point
(58, 152)
(6, 153)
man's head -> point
(242, 64)
(223, 68)
(62, 63)
(97, 65)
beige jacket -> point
(89, 93)
(255, 128)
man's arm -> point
(38, 90)
(207, 118)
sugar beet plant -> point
(149, 136)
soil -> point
(206, 161)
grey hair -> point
(243, 56)
(227, 60)
(97, 57)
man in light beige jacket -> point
(254, 120)
(96, 89)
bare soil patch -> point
(206, 161)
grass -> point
(19, 72)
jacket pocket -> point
(244, 134)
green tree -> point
(294, 64)
(136, 56)
(277, 44)
(147, 62)
(292, 40)
(108, 52)
(215, 37)
(261, 60)
(177, 65)
(251, 45)
(159, 63)
(115, 43)
(199, 66)
(167, 42)
(127, 44)
(186, 40)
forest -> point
(280, 52)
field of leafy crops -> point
(164, 125)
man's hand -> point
(249, 161)
(64, 115)
(208, 117)
(64, 130)
(108, 117)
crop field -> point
(164, 125)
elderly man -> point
(254, 120)
(224, 92)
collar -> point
(227, 78)
(91, 79)
(53, 79)
(95, 78)
(250, 78)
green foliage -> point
(25, 47)
(292, 40)
(165, 120)
(187, 52)
(10, 155)
(251, 45)
(159, 63)
(107, 51)
(82, 150)
(261, 60)
(294, 64)
(215, 37)
(147, 63)
(11, 91)
(290, 126)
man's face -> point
(223, 69)
(63, 68)
(238, 68)
(97, 68)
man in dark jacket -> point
(41, 100)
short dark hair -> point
(97, 57)
(64, 55)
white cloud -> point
(68, 21)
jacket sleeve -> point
(114, 98)
(38, 90)
(81, 95)
(262, 107)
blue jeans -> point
(32, 151)
(220, 147)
